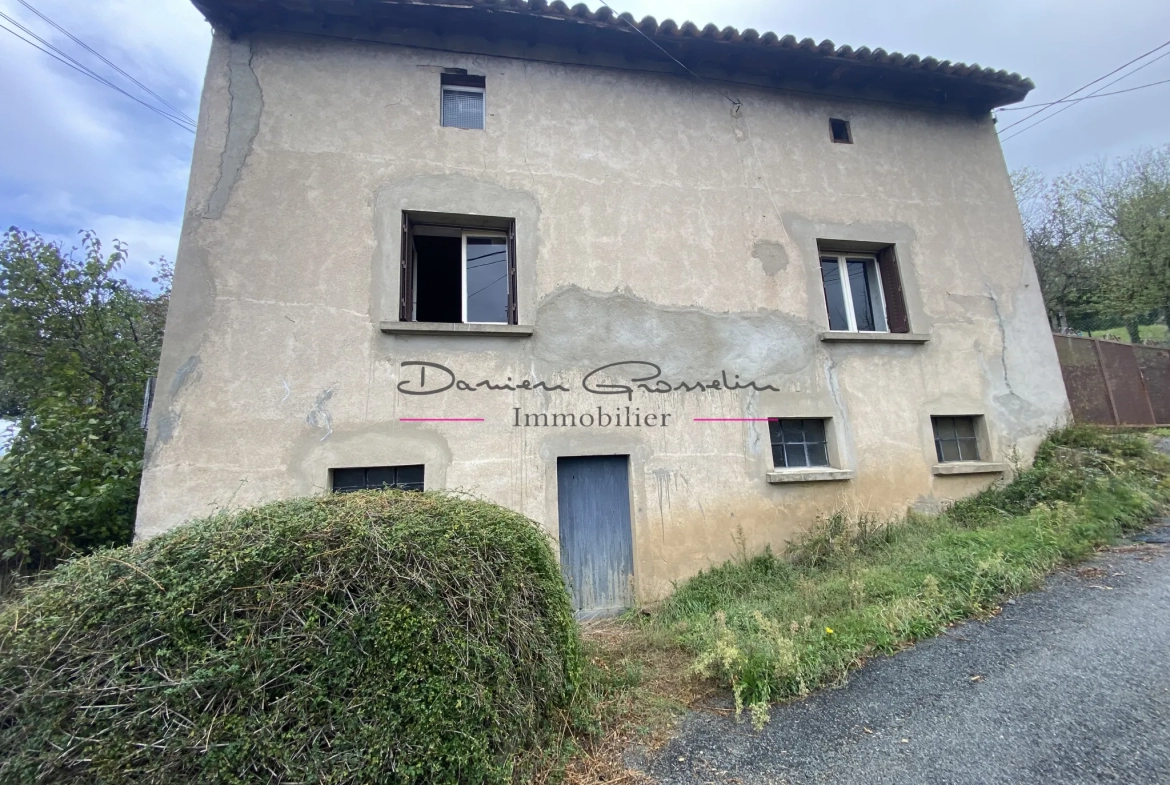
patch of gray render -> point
(576, 328)
(771, 256)
(166, 420)
(247, 103)
(184, 374)
(318, 416)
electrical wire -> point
(178, 112)
(59, 55)
(681, 65)
(1086, 98)
(1090, 84)
(1095, 94)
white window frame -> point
(467, 233)
(459, 88)
(873, 272)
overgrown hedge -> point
(380, 637)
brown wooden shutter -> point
(897, 318)
(513, 315)
(406, 276)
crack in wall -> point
(246, 102)
(1002, 338)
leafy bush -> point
(772, 629)
(79, 344)
(379, 637)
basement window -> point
(840, 131)
(955, 439)
(798, 443)
(863, 292)
(404, 478)
(458, 269)
(462, 103)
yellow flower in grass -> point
(828, 630)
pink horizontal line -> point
(440, 419)
(735, 419)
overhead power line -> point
(178, 112)
(57, 54)
(1095, 94)
(1079, 89)
(1085, 98)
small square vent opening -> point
(840, 130)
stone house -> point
(668, 291)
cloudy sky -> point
(78, 155)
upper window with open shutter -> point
(458, 269)
(863, 292)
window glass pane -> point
(968, 450)
(814, 430)
(964, 427)
(462, 108)
(875, 298)
(795, 455)
(834, 294)
(410, 478)
(859, 287)
(380, 477)
(487, 279)
(349, 479)
(950, 450)
(793, 430)
(778, 459)
(944, 427)
(818, 455)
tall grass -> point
(773, 627)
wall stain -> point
(319, 417)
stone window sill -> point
(812, 474)
(968, 467)
(444, 328)
(840, 336)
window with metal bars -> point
(405, 478)
(955, 439)
(797, 443)
(463, 101)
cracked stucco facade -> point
(653, 223)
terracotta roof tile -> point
(1010, 86)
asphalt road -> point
(1070, 684)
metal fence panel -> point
(1083, 380)
(1124, 377)
(1155, 367)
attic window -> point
(463, 101)
(840, 131)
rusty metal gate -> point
(1113, 383)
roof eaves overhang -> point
(533, 29)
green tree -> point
(1136, 202)
(1070, 247)
(78, 345)
(1100, 239)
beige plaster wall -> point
(654, 223)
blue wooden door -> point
(597, 552)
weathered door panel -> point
(597, 553)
